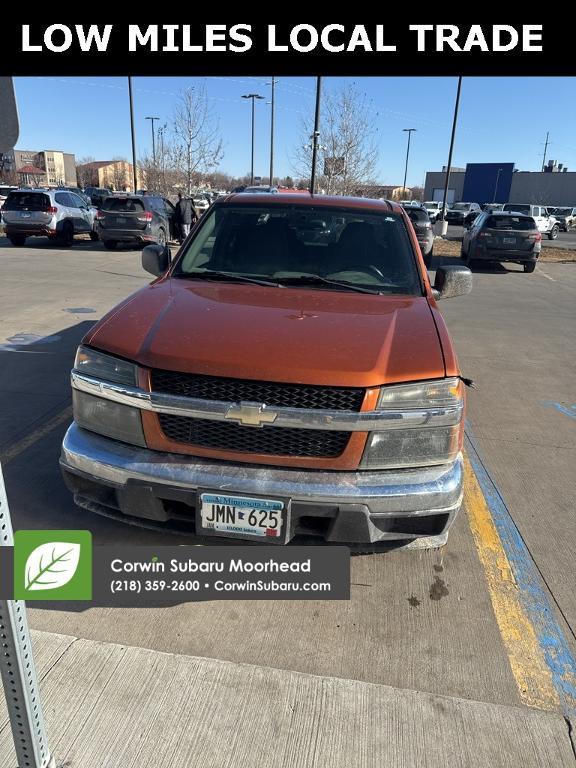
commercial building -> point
(52, 167)
(503, 183)
(111, 174)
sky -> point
(500, 120)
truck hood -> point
(275, 334)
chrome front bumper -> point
(363, 507)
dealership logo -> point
(53, 565)
(250, 414)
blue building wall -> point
(487, 182)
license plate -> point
(120, 220)
(24, 215)
(242, 517)
(509, 240)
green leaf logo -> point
(51, 565)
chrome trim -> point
(299, 418)
(427, 490)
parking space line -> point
(541, 661)
(37, 434)
(544, 274)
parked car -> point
(457, 212)
(201, 204)
(499, 236)
(471, 217)
(547, 224)
(5, 190)
(77, 191)
(566, 217)
(97, 195)
(49, 213)
(261, 190)
(423, 229)
(307, 382)
(434, 209)
(136, 219)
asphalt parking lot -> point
(450, 622)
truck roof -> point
(323, 201)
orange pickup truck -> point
(287, 375)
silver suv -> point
(56, 214)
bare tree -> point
(85, 172)
(196, 146)
(119, 173)
(347, 153)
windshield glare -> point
(460, 206)
(355, 247)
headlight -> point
(417, 447)
(120, 422)
(106, 367)
(440, 393)
(423, 445)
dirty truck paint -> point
(540, 659)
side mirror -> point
(452, 281)
(156, 259)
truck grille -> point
(279, 441)
(268, 392)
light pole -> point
(253, 97)
(496, 185)
(153, 137)
(134, 176)
(273, 83)
(409, 131)
(316, 134)
(444, 226)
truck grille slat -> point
(268, 392)
(279, 441)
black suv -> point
(135, 218)
(97, 195)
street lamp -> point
(253, 97)
(153, 137)
(409, 131)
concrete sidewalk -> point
(110, 706)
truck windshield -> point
(290, 244)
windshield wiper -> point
(319, 280)
(214, 274)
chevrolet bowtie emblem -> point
(250, 414)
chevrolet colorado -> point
(287, 374)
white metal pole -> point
(18, 670)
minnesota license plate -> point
(242, 517)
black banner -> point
(335, 45)
(131, 576)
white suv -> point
(52, 213)
(546, 224)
